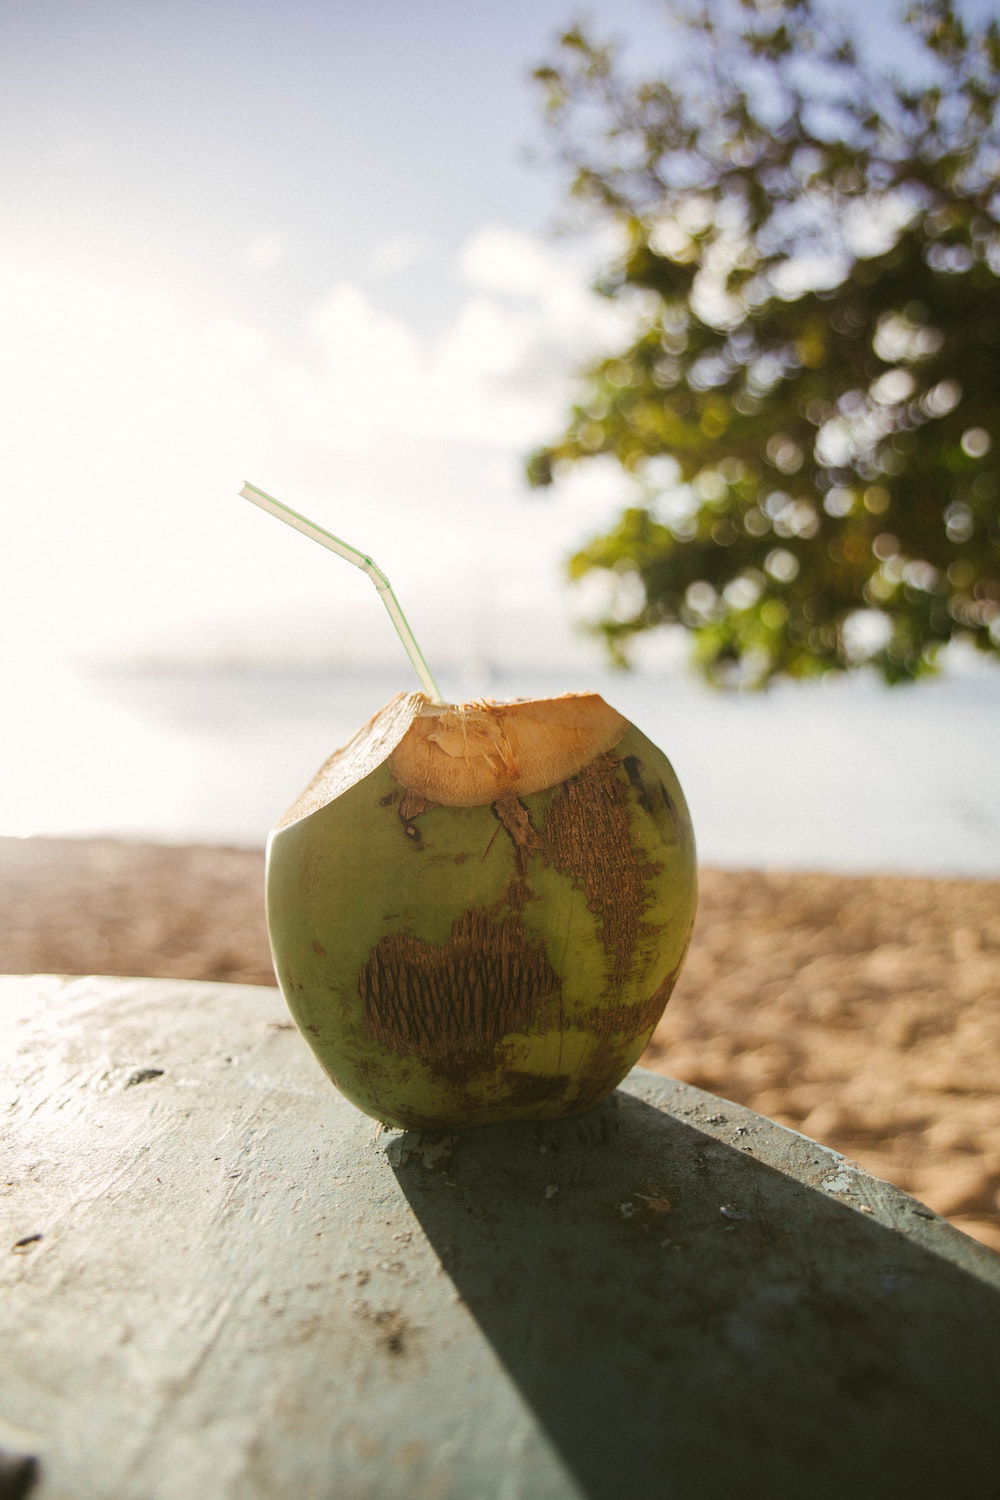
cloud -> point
(370, 369)
(555, 284)
(264, 252)
(134, 415)
(497, 376)
(502, 260)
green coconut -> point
(478, 912)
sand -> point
(864, 1011)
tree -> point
(809, 411)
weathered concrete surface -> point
(217, 1282)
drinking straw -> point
(352, 555)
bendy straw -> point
(352, 555)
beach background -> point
(321, 248)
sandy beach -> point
(864, 1011)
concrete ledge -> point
(220, 1281)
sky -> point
(301, 244)
(310, 244)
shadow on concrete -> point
(684, 1320)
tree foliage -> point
(809, 411)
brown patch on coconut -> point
(451, 1005)
(588, 836)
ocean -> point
(842, 776)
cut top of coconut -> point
(469, 754)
